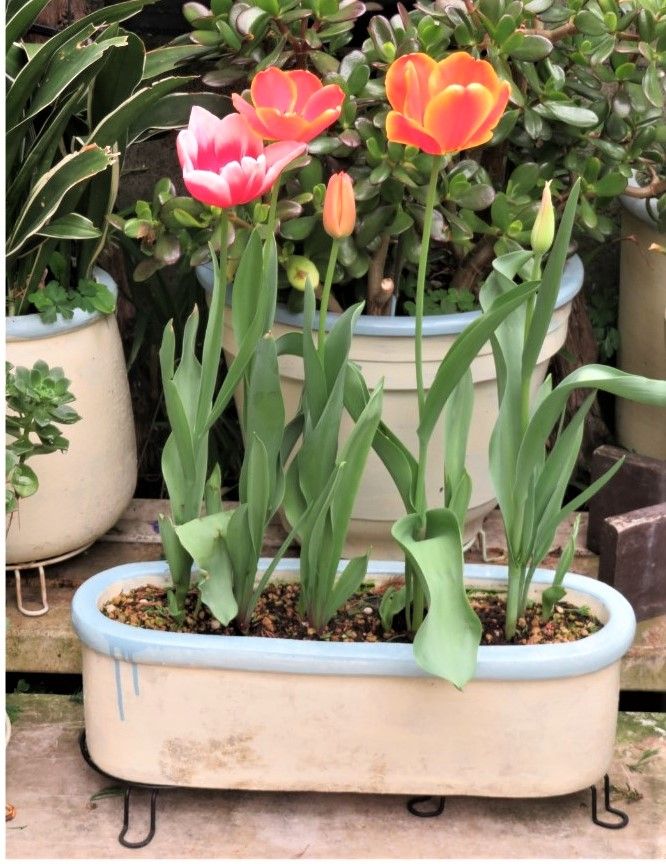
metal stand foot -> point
(624, 819)
(32, 613)
(127, 794)
(126, 815)
(39, 567)
(437, 810)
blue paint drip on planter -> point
(433, 325)
(135, 679)
(119, 688)
(250, 653)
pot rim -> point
(433, 325)
(20, 328)
(260, 654)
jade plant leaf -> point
(447, 641)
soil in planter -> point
(277, 615)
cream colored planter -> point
(234, 712)
(384, 348)
(81, 492)
(642, 326)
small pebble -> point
(215, 624)
(367, 610)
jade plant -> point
(586, 100)
(38, 404)
(73, 106)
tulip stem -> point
(325, 294)
(272, 213)
(421, 504)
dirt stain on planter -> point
(180, 756)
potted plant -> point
(642, 312)
(561, 122)
(74, 104)
(297, 712)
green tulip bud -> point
(299, 270)
(543, 230)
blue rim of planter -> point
(384, 659)
(23, 327)
(433, 325)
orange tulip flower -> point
(290, 106)
(339, 206)
(443, 107)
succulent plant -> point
(587, 95)
(37, 405)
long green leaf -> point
(247, 288)
(165, 59)
(66, 68)
(447, 642)
(397, 459)
(462, 353)
(457, 421)
(114, 128)
(25, 83)
(50, 190)
(550, 285)
(205, 540)
(72, 226)
(19, 23)
(117, 79)
(173, 111)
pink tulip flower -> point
(225, 163)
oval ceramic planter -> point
(235, 712)
(384, 348)
(81, 492)
(642, 325)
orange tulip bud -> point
(339, 206)
(443, 107)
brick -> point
(633, 558)
(640, 482)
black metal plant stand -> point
(439, 802)
(414, 805)
(127, 796)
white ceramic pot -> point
(642, 325)
(384, 348)
(234, 712)
(81, 492)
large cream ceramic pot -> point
(642, 325)
(234, 712)
(384, 348)
(81, 492)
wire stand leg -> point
(32, 613)
(128, 788)
(126, 818)
(437, 810)
(624, 819)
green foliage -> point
(73, 106)
(37, 405)
(323, 478)
(530, 482)
(587, 100)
